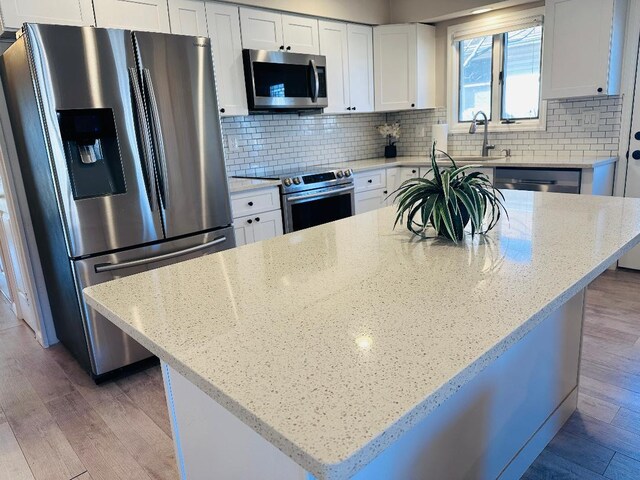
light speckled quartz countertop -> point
(243, 184)
(492, 162)
(333, 341)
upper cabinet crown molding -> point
(188, 17)
(349, 52)
(62, 12)
(583, 43)
(404, 65)
(144, 15)
(267, 30)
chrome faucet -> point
(485, 141)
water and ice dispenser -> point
(92, 152)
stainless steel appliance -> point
(315, 197)
(538, 180)
(285, 81)
(120, 152)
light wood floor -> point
(55, 423)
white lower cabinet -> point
(370, 190)
(256, 215)
(143, 15)
(61, 12)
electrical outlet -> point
(232, 143)
(591, 120)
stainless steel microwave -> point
(285, 81)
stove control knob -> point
(347, 172)
(339, 174)
(296, 180)
(287, 182)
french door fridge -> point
(120, 154)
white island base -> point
(494, 426)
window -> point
(495, 67)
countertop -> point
(244, 184)
(333, 341)
(491, 162)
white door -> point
(632, 185)
(188, 17)
(267, 225)
(361, 68)
(370, 200)
(226, 44)
(300, 34)
(143, 15)
(261, 30)
(333, 45)
(243, 230)
(577, 38)
(61, 12)
(395, 66)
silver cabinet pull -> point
(316, 78)
(109, 267)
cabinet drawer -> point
(371, 180)
(370, 200)
(255, 201)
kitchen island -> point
(350, 350)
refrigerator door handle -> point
(109, 267)
(147, 152)
(157, 136)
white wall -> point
(437, 10)
(361, 11)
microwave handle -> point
(316, 79)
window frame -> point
(490, 22)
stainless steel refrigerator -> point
(120, 151)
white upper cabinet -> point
(261, 30)
(300, 34)
(144, 15)
(61, 12)
(404, 63)
(226, 44)
(583, 42)
(361, 67)
(333, 45)
(188, 17)
(349, 52)
(265, 30)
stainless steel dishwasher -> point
(538, 179)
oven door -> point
(308, 209)
(283, 81)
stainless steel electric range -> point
(314, 197)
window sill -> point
(501, 127)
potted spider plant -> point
(448, 202)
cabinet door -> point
(226, 45)
(267, 225)
(395, 67)
(333, 45)
(188, 17)
(300, 34)
(60, 12)
(393, 182)
(369, 200)
(261, 30)
(361, 68)
(577, 39)
(143, 15)
(243, 231)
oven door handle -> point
(325, 193)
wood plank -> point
(597, 408)
(615, 332)
(612, 376)
(610, 393)
(146, 388)
(103, 454)
(623, 468)
(3, 418)
(549, 466)
(7, 317)
(83, 476)
(628, 420)
(45, 447)
(609, 436)
(13, 465)
(581, 451)
(144, 440)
